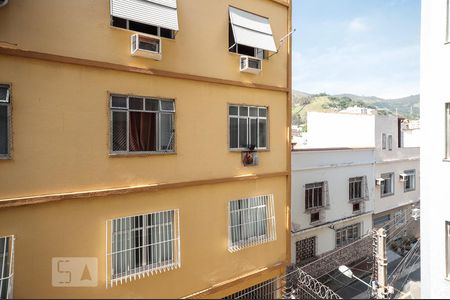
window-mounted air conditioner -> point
(147, 46)
(379, 181)
(403, 177)
(250, 64)
(415, 213)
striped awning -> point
(251, 30)
(161, 13)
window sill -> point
(240, 150)
(387, 195)
(407, 191)
(141, 154)
(314, 209)
(446, 160)
(5, 157)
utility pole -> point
(381, 288)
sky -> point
(363, 47)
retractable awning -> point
(251, 30)
(161, 13)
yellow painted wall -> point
(82, 29)
(76, 227)
(60, 122)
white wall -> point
(435, 189)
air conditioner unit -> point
(147, 46)
(250, 64)
(379, 181)
(415, 214)
(403, 177)
(250, 158)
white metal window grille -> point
(383, 141)
(316, 195)
(141, 245)
(247, 127)
(264, 290)
(6, 267)
(390, 142)
(410, 180)
(348, 234)
(251, 222)
(5, 121)
(142, 125)
(305, 250)
(387, 185)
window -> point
(390, 142)
(399, 218)
(143, 28)
(410, 180)
(380, 221)
(383, 141)
(251, 222)
(387, 185)
(5, 112)
(142, 125)
(305, 250)
(356, 188)
(247, 127)
(141, 244)
(447, 130)
(6, 266)
(314, 195)
(347, 235)
(264, 290)
(356, 207)
(315, 217)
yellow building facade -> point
(139, 166)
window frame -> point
(127, 28)
(383, 141)
(7, 260)
(341, 232)
(313, 186)
(8, 104)
(390, 142)
(248, 118)
(351, 182)
(391, 178)
(410, 173)
(126, 109)
(233, 46)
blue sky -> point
(364, 47)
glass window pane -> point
(167, 133)
(262, 133)
(253, 132)
(243, 111)
(234, 133)
(253, 112)
(142, 131)
(3, 94)
(118, 101)
(136, 103)
(4, 129)
(167, 105)
(119, 131)
(262, 112)
(243, 123)
(151, 104)
(233, 111)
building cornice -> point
(124, 68)
(29, 200)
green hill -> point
(408, 107)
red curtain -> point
(142, 131)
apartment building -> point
(435, 115)
(144, 147)
(332, 200)
(339, 147)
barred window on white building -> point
(348, 234)
(6, 267)
(316, 195)
(141, 124)
(142, 245)
(247, 127)
(357, 189)
(251, 222)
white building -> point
(435, 164)
(341, 146)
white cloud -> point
(358, 25)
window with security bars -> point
(142, 245)
(251, 222)
(387, 185)
(247, 127)
(5, 121)
(410, 180)
(6, 267)
(356, 188)
(142, 124)
(264, 290)
(305, 250)
(315, 195)
(348, 234)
